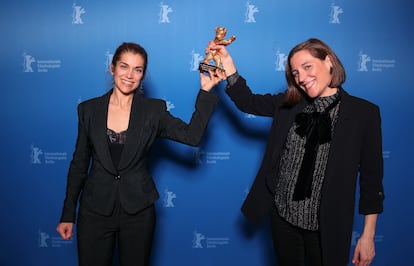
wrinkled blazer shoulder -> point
(94, 104)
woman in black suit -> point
(108, 172)
(320, 141)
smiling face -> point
(128, 72)
(312, 74)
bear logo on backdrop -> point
(35, 154)
(335, 12)
(41, 65)
(280, 61)
(250, 11)
(209, 242)
(377, 65)
(43, 237)
(198, 237)
(77, 11)
(108, 60)
(363, 60)
(38, 156)
(168, 198)
(46, 241)
(164, 11)
(196, 58)
(27, 62)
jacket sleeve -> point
(371, 165)
(78, 169)
(191, 134)
(248, 102)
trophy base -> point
(203, 67)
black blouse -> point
(116, 142)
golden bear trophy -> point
(212, 55)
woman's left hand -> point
(364, 251)
(211, 79)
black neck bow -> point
(316, 127)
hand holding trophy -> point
(212, 55)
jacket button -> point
(117, 177)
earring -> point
(140, 88)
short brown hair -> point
(320, 50)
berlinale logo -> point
(250, 11)
(334, 16)
(76, 14)
(168, 198)
(165, 10)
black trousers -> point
(294, 246)
(132, 235)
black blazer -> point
(92, 171)
(356, 150)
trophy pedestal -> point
(203, 67)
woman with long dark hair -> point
(108, 173)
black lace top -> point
(116, 143)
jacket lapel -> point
(342, 126)
(99, 129)
(135, 130)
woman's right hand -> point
(226, 60)
(65, 230)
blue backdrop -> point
(55, 54)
